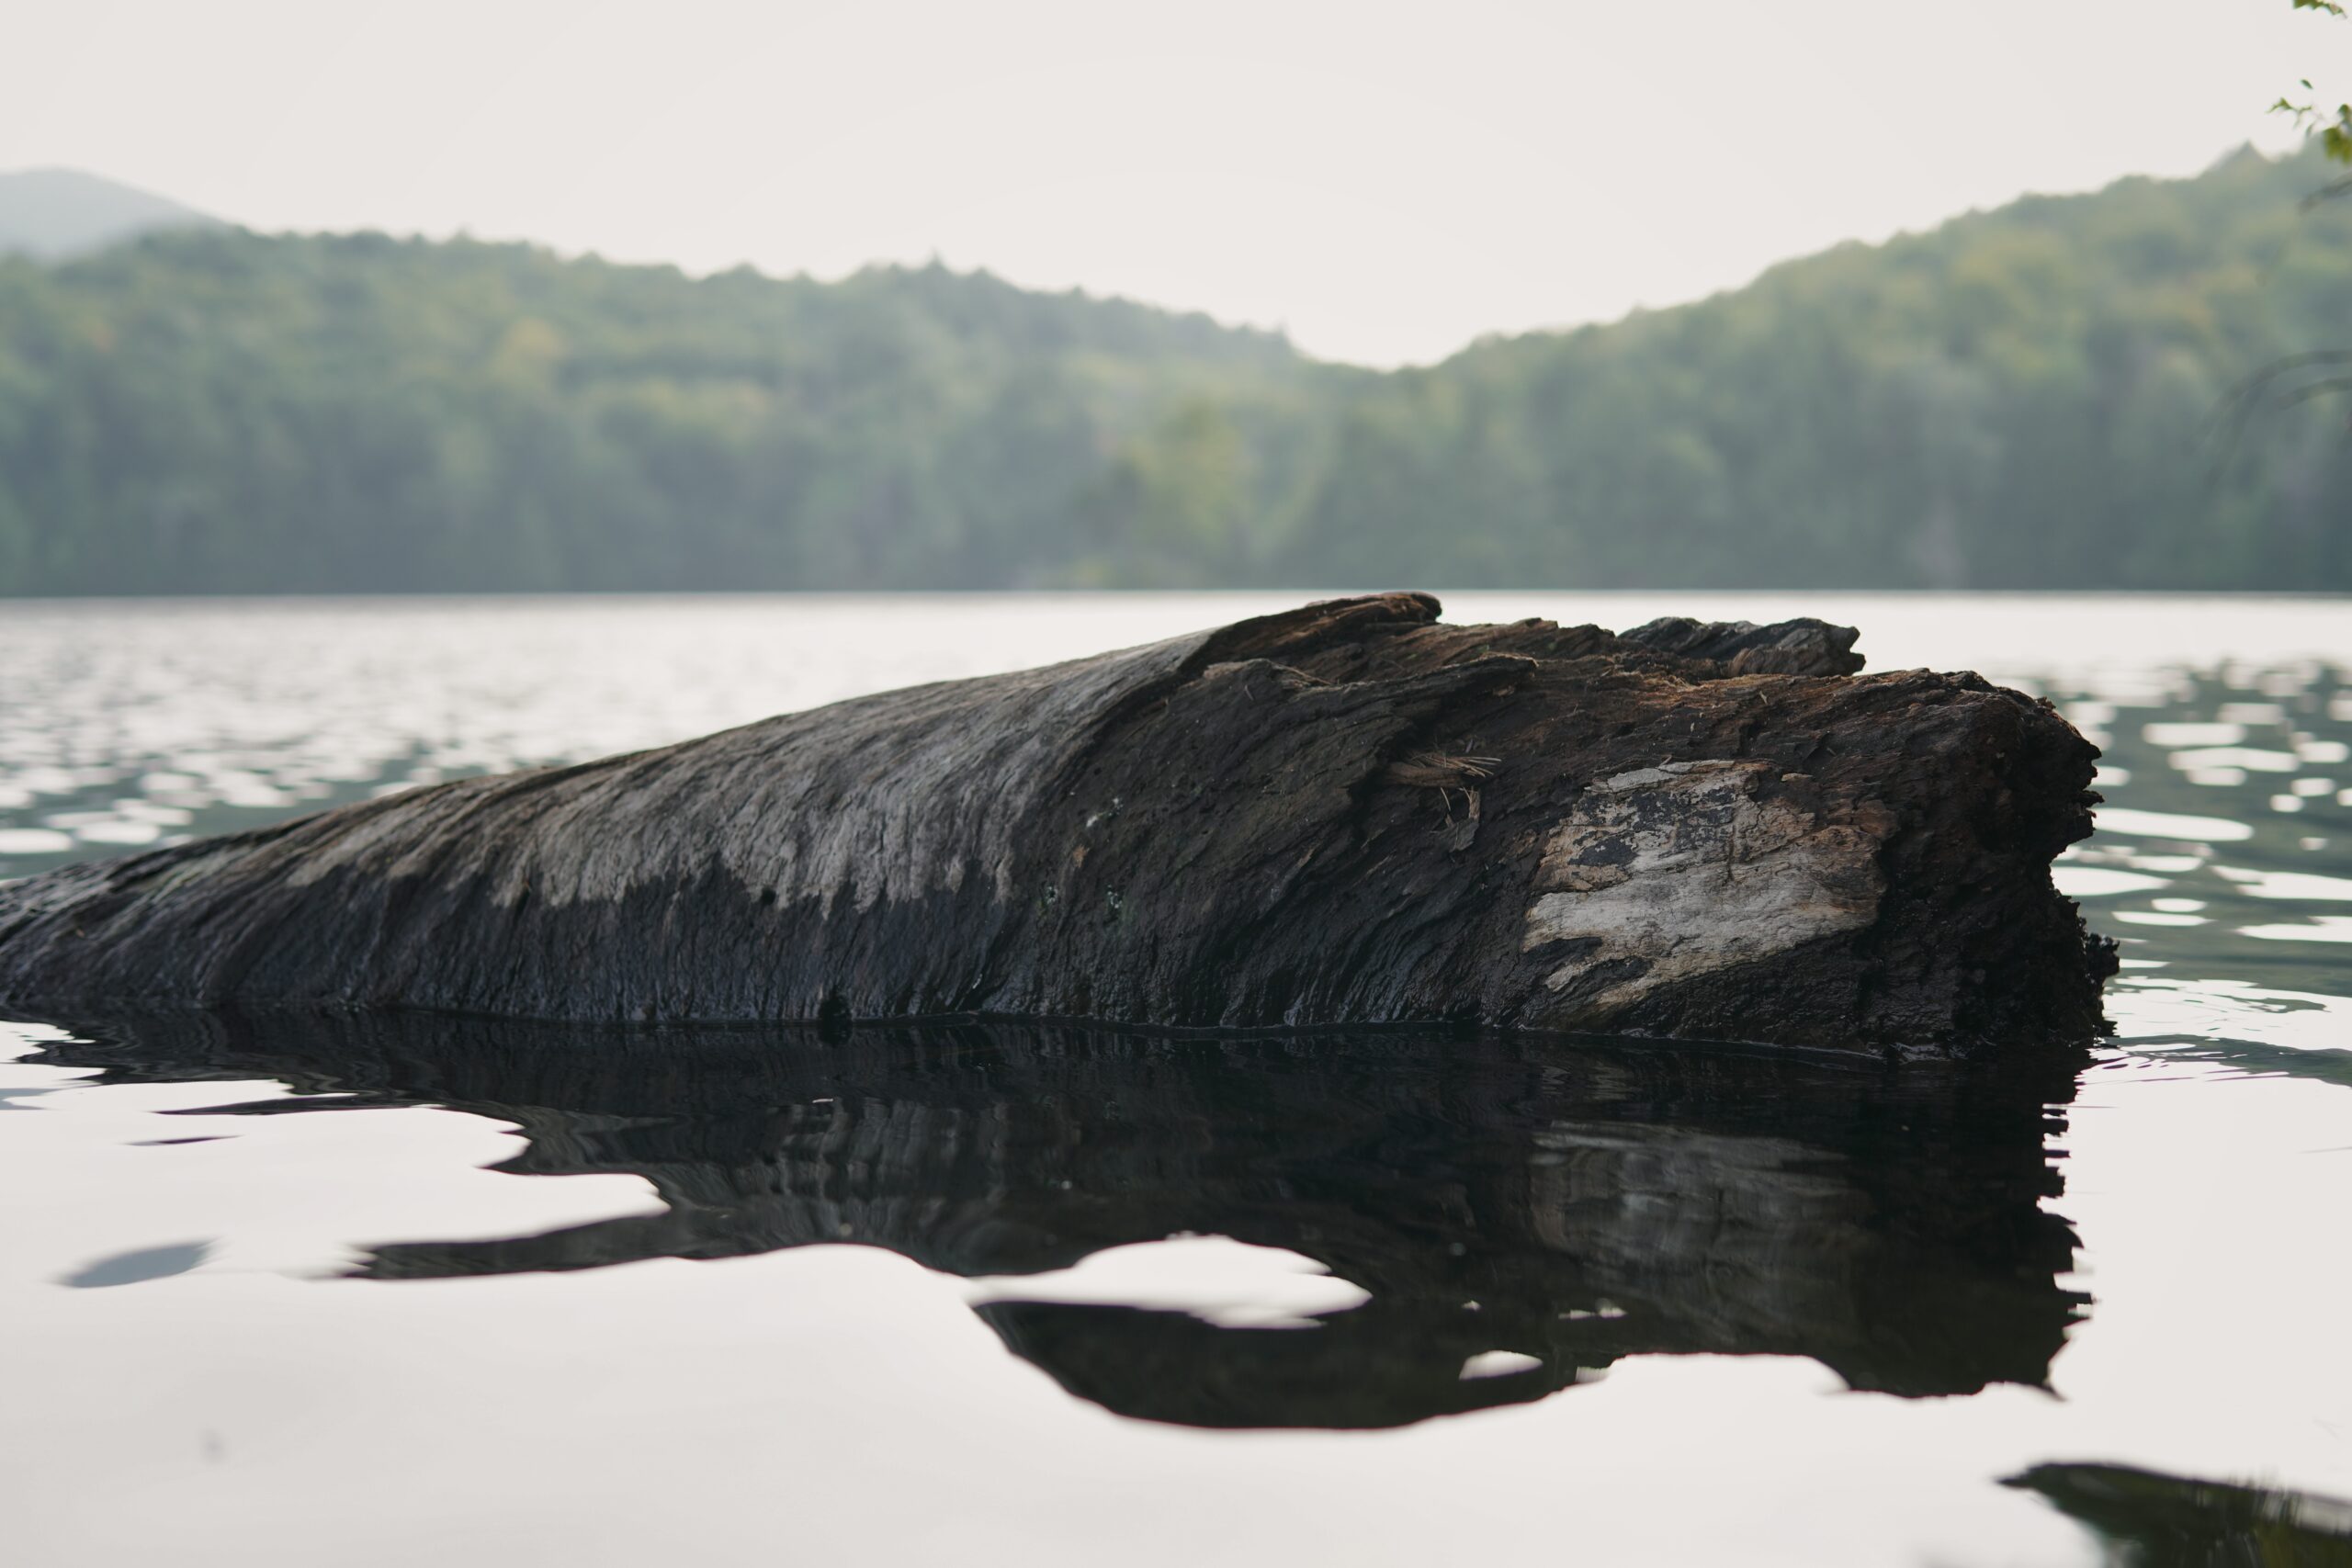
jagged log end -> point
(1346, 813)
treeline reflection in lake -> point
(1562, 1202)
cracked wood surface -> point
(1345, 813)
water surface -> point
(305, 1290)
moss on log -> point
(1343, 814)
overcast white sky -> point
(1386, 182)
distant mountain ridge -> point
(2025, 398)
(53, 214)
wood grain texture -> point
(1346, 813)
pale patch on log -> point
(1662, 873)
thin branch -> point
(2238, 406)
(2291, 363)
(2314, 389)
(2328, 192)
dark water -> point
(302, 1290)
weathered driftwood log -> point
(1346, 813)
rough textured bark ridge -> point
(1345, 812)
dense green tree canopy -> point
(222, 411)
(2022, 398)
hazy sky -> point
(1385, 181)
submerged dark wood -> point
(1346, 813)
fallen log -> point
(1346, 813)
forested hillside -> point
(220, 412)
(2018, 399)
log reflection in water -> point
(1569, 1201)
(2147, 1520)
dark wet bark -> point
(1346, 813)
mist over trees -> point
(2025, 398)
(56, 214)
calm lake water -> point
(400, 1290)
